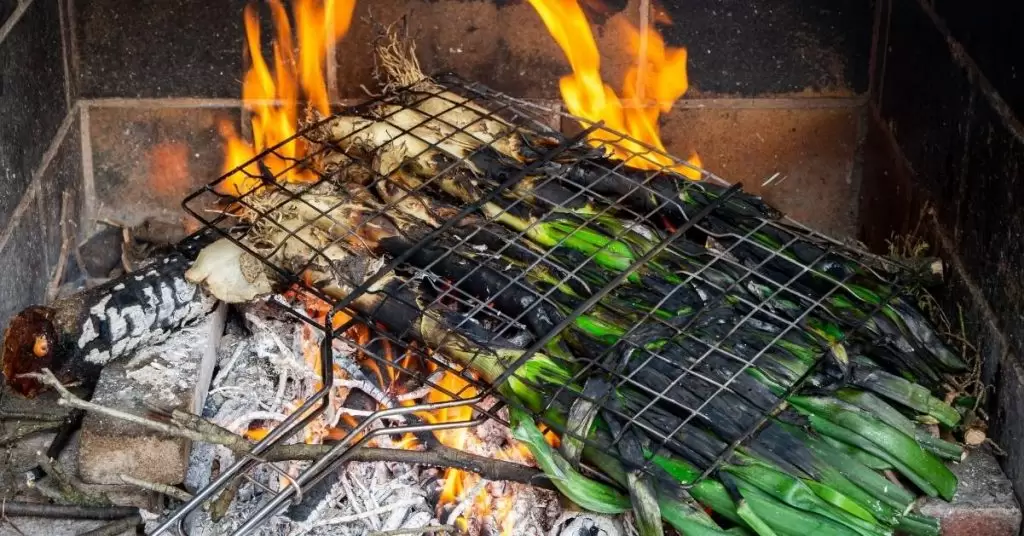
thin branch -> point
(23, 430)
(65, 245)
(116, 528)
(67, 398)
(190, 426)
(32, 416)
(414, 531)
(70, 488)
(23, 509)
(169, 491)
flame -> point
(455, 480)
(651, 87)
(256, 433)
(271, 91)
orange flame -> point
(271, 95)
(454, 479)
(651, 87)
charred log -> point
(78, 335)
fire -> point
(271, 91)
(454, 479)
(651, 86)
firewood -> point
(187, 425)
(18, 509)
(77, 335)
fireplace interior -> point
(891, 123)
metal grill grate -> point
(702, 295)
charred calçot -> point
(77, 336)
(774, 302)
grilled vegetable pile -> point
(635, 335)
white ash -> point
(261, 375)
(587, 524)
(165, 370)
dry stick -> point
(23, 430)
(65, 245)
(467, 500)
(196, 428)
(170, 491)
(14, 527)
(32, 416)
(116, 528)
(22, 509)
(414, 531)
(72, 489)
(220, 506)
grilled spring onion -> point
(838, 477)
(431, 327)
(837, 505)
(423, 327)
(742, 215)
(680, 394)
(417, 134)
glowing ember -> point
(651, 86)
(272, 93)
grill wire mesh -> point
(732, 310)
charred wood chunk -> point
(76, 336)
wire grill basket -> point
(704, 296)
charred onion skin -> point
(23, 332)
(76, 336)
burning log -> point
(76, 336)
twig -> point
(423, 391)
(170, 491)
(8, 508)
(65, 245)
(31, 416)
(196, 428)
(220, 506)
(71, 423)
(126, 246)
(71, 489)
(8, 521)
(242, 423)
(223, 374)
(413, 531)
(116, 528)
(67, 398)
(23, 430)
